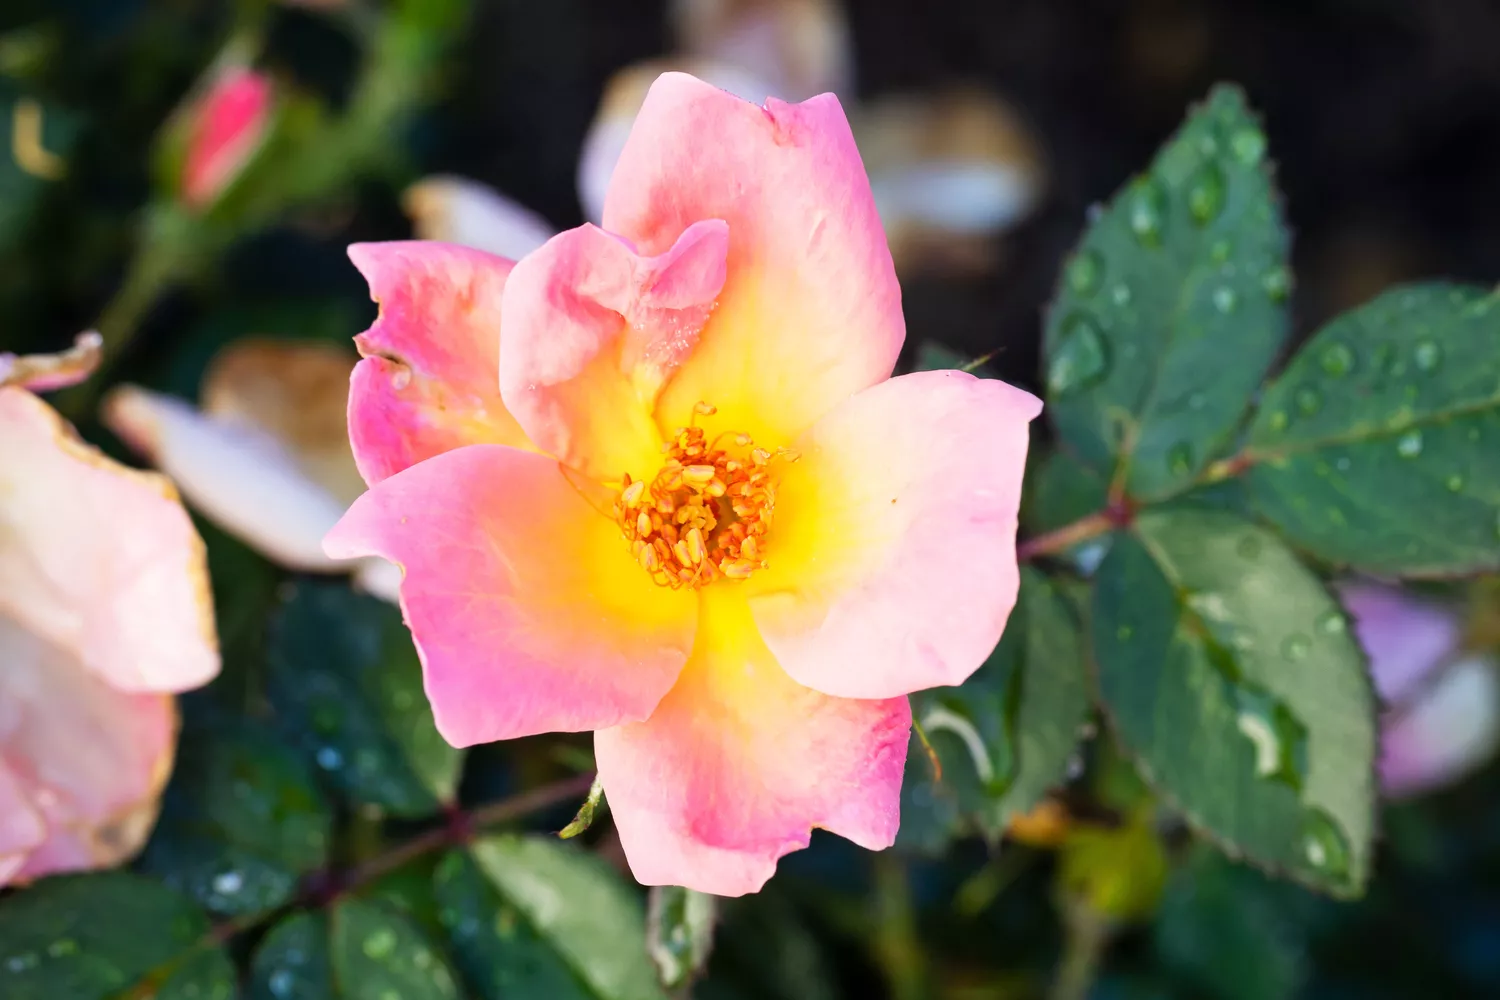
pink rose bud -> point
(228, 126)
(698, 516)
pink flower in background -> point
(679, 501)
(228, 126)
(1445, 716)
(104, 612)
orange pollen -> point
(706, 513)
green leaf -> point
(1173, 306)
(1116, 872)
(680, 932)
(533, 916)
(1374, 448)
(1232, 931)
(1006, 734)
(356, 950)
(1230, 676)
(346, 685)
(767, 951)
(242, 820)
(92, 937)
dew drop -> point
(1324, 846)
(228, 883)
(22, 962)
(62, 947)
(1180, 459)
(281, 982)
(1205, 195)
(1120, 294)
(1080, 359)
(1409, 445)
(1248, 547)
(1342, 463)
(329, 758)
(1332, 622)
(1280, 741)
(1455, 483)
(1085, 272)
(1248, 146)
(1146, 207)
(1296, 647)
(1278, 420)
(1309, 400)
(1225, 299)
(1337, 360)
(380, 944)
(1427, 355)
(1277, 284)
(1124, 632)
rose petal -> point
(1450, 731)
(21, 828)
(239, 477)
(1404, 636)
(623, 97)
(471, 214)
(431, 378)
(811, 312)
(296, 391)
(593, 330)
(529, 612)
(892, 554)
(100, 559)
(739, 762)
(44, 372)
(91, 760)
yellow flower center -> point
(706, 512)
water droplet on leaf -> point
(1146, 207)
(1085, 272)
(1205, 195)
(1248, 547)
(380, 944)
(1455, 483)
(1277, 284)
(1225, 299)
(1332, 622)
(1337, 359)
(1427, 355)
(1409, 445)
(1120, 294)
(1324, 845)
(1296, 646)
(1180, 459)
(1081, 358)
(1248, 145)
(1309, 400)
(1280, 741)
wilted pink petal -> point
(739, 763)
(44, 372)
(229, 124)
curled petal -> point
(458, 210)
(739, 762)
(44, 372)
(528, 609)
(810, 312)
(99, 559)
(1449, 731)
(88, 759)
(1404, 636)
(892, 563)
(430, 381)
(239, 476)
(593, 330)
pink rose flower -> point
(655, 481)
(229, 125)
(104, 612)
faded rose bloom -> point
(104, 613)
(1445, 719)
(654, 480)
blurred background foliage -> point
(1384, 118)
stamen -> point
(706, 513)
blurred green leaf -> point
(1374, 448)
(242, 820)
(1117, 872)
(355, 950)
(1173, 306)
(1005, 735)
(680, 932)
(1230, 676)
(346, 685)
(536, 917)
(766, 951)
(1232, 931)
(98, 937)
